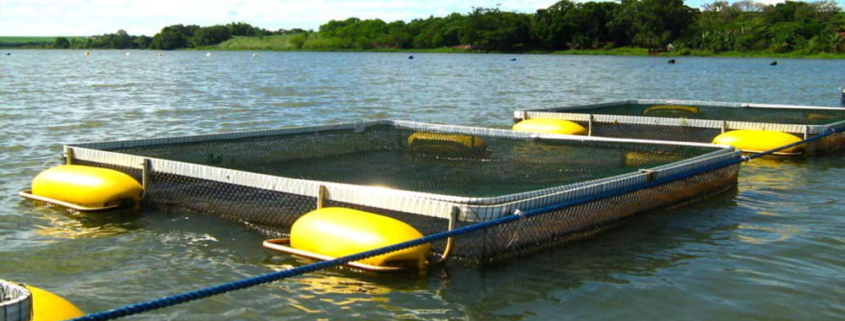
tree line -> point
(660, 25)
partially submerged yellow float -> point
(23, 302)
(549, 126)
(85, 188)
(751, 127)
(333, 232)
(446, 145)
(758, 141)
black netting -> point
(654, 132)
(575, 222)
(700, 121)
(451, 164)
(692, 111)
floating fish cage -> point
(431, 177)
(750, 127)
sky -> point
(148, 17)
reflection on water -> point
(351, 292)
(767, 186)
(64, 223)
(765, 234)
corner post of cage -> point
(146, 166)
(68, 155)
(450, 241)
(590, 125)
(322, 192)
(806, 132)
(649, 174)
(523, 116)
(724, 126)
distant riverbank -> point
(316, 43)
(298, 42)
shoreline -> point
(623, 51)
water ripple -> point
(757, 252)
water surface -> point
(769, 250)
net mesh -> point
(693, 110)
(429, 170)
(700, 121)
(15, 302)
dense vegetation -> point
(655, 25)
(31, 42)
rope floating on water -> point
(811, 139)
(313, 267)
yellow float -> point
(671, 110)
(447, 145)
(332, 232)
(31, 303)
(756, 141)
(550, 126)
(817, 116)
(84, 188)
(651, 158)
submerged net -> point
(420, 174)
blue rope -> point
(811, 139)
(309, 268)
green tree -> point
(61, 43)
(142, 42)
(555, 26)
(210, 36)
(571, 25)
(594, 19)
(492, 29)
(173, 37)
(241, 29)
(119, 40)
(398, 35)
(652, 23)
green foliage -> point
(494, 30)
(652, 23)
(752, 27)
(744, 27)
(61, 43)
(28, 42)
(210, 36)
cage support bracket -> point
(146, 165)
(322, 192)
(450, 241)
(649, 174)
(68, 154)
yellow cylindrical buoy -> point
(549, 126)
(337, 232)
(26, 302)
(86, 186)
(651, 158)
(756, 141)
(50, 307)
(446, 145)
(670, 110)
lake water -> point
(770, 250)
